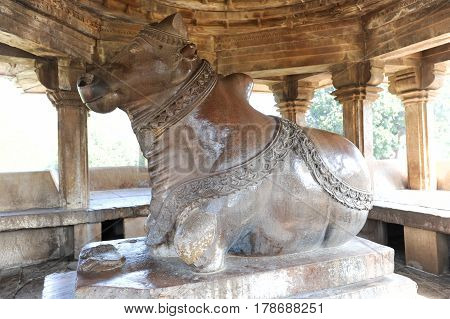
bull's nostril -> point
(86, 79)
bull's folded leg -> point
(198, 242)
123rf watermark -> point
(174, 310)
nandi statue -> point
(226, 178)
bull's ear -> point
(174, 24)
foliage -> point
(325, 112)
(388, 126)
(388, 121)
(441, 127)
(112, 142)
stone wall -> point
(392, 175)
(30, 246)
(25, 190)
(104, 178)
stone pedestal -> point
(358, 269)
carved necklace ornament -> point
(288, 137)
(151, 124)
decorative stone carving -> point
(293, 98)
(255, 185)
(191, 95)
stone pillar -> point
(416, 87)
(293, 98)
(356, 89)
(59, 77)
(72, 148)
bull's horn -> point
(174, 24)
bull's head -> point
(159, 58)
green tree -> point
(388, 125)
(325, 112)
(388, 120)
(441, 127)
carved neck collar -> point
(156, 120)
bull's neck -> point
(155, 120)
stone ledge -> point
(106, 205)
(256, 277)
(411, 216)
(59, 217)
(429, 210)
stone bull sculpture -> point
(226, 178)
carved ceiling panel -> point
(236, 16)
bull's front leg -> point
(199, 240)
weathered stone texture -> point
(134, 227)
(426, 250)
(85, 234)
(30, 246)
(20, 191)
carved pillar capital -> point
(61, 98)
(357, 93)
(416, 87)
(356, 89)
(293, 98)
(355, 74)
(60, 74)
(417, 84)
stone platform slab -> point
(357, 269)
(391, 286)
(62, 286)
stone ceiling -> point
(235, 16)
(266, 39)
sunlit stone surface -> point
(358, 269)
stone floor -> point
(429, 285)
(27, 282)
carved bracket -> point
(293, 98)
(417, 84)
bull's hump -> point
(240, 82)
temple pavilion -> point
(355, 50)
